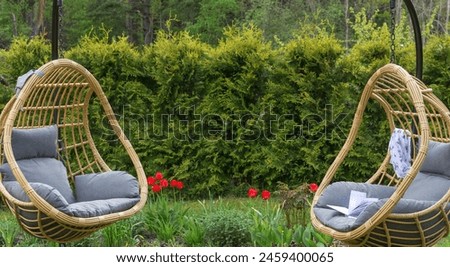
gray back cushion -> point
(48, 171)
(438, 159)
(428, 187)
(35, 143)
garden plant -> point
(234, 136)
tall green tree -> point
(17, 17)
(274, 17)
(213, 17)
(108, 14)
(75, 22)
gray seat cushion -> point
(35, 143)
(338, 194)
(424, 191)
(100, 207)
(48, 171)
(106, 185)
(83, 209)
(35, 151)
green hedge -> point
(242, 112)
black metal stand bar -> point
(55, 28)
(417, 38)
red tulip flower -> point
(313, 187)
(164, 183)
(252, 192)
(180, 185)
(159, 176)
(265, 194)
(151, 180)
(156, 188)
(173, 183)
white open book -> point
(357, 203)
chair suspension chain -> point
(392, 30)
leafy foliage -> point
(117, 66)
(23, 55)
(227, 228)
(436, 66)
(245, 111)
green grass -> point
(445, 242)
(268, 226)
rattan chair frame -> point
(64, 96)
(412, 106)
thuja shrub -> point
(177, 65)
(243, 111)
(23, 55)
(437, 66)
(227, 228)
(304, 97)
(371, 52)
(231, 129)
(117, 65)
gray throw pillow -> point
(437, 159)
(48, 171)
(107, 185)
(35, 143)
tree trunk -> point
(312, 6)
(14, 26)
(148, 26)
(38, 27)
(398, 10)
(347, 26)
(133, 21)
(447, 14)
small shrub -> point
(296, 202)
(227, 228)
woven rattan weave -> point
(66, 95)
(411, 106)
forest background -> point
(227, 94)
(140, 20)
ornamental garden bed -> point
(259, 217)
